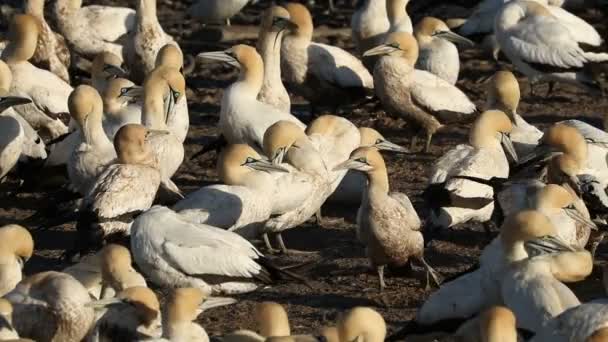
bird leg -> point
(319, 218)
(552, 85)
(284, 249)
(437, 278)
(413, 143)
(380, 270)
(427, 146)
(268, 245)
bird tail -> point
(274, 272)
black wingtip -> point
(275, 272)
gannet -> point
(123, 190)
(369, 25)
(93, 29)
(398, 18)
(202, 256)
(272, 319)
(532, 286)
(350, 190)
(88, 272)
(321, 73)
(300, 194)
(244, 119)
(162, 91)
(52, 49)
(120, 107)
(387, 223)
(543, 48)
(133, 315)
(7, 332)
(214, 11)
(18, 247)
(496, 324)
(50, 306)
(170, 59)
(597, 146)
(484, 157)
(244, 202)
(416, 95)
(95, 150)
(105, 67)
(437, 52)
(274, 23)
(586, 322)
(47, 91)
(503, 94)
(12, 135)
(116, 270)
(362, 322)
(144, 42)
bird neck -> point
(378, 181)
(269, 47)
(482, 135)
(94, 134)
(35, 8)
(146, 12)
(514, 251)
(571, 266)
(395, 11)
(251, 77)
(20, 50)
(153, 113)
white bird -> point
(47, 91)
(213, 11)
(123, 190)
(387, 223)
(323, 74)
(18, 248)
(145, 41)
(274, 23)
(50, 306)
(95, 150)
(543, 48)
(397, 16)
(202, 256)
(244, 202)
(485, 157)
(120, 106)
(7, 332)
(117, 271)
(94, 29)
(52, 48)
(504, 95)
(597, 147)
(532, 286)
(163, 88)
(13, 139)
(437, 52)
(416, 95)
(369, 25)
(586, 322)
(244, 119)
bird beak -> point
(541, 152)
(507, 146)
(349, 164)
(578, 217)
(386, 145)
(152, 133)
(278, 156)
(114, 70)
(267, 166)
(219, 56)
(133, 92)
(284, 24)
(454, 38)
(214, 302)
(548, 244)
(103, 303)
(10, 101)
(383, 49)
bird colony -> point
(96, 106)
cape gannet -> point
(18, 248)
(214, 11)
(369, 25)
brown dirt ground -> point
(341, 273)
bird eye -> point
(379, 141)
(394, 46)
(361, 160)
(249, 160)
(176, 94)
(37, 141)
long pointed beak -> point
(114, 70)
(284, 24)
(152, 133)
(267, 166)
(548, 245)
(379, 50)
(214, 302)
(507, 146)
(454, 38)
(10, 101)
(346, 165)
(132, 92)
(278, 156)
(386, 145)
(219, 56)
(541, 152)
(103, 303)
(578, 217)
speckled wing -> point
(123, 189)
(169, 152)
(206, 250)
(543, 40)
(336, 66)
(109, 23)
(591, 134)
(437, 95)
(575, 324)
(413, 219)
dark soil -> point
(341, 273)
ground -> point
(340, 272)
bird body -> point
(11, 143)
(579, 323)
(369, 25)
(213, 11)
